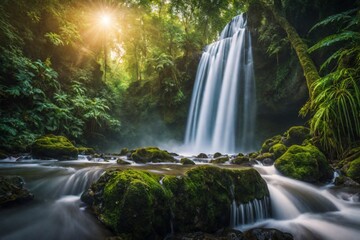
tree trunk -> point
(310, 72)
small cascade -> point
(250, 212)
(223, 106)
(66, 181)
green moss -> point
(201, 199)
(354, 170)
(254, 154)
(265, 147)
(122, 162)
(217, 154)
(124, 151)
(136, 204)
(278, 150)
(240, 160)
(186, 161)
(86, 151)
(304, 163)
(202, 155)
(220, 160)
(151, 154)
(51, 146)
(264, 156)
(297, 135)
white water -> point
(309, 212)
(222, 111)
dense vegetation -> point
(63, 72)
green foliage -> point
(336, 102)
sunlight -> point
(105, 20)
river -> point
(307, 211)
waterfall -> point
(223, 106)
(250, 212)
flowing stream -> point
(308, 211)
(222, 111)
(304, 210)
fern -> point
(341, 17)
(335, 38)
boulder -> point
(134, 203)
(124, 151)
(122, 162)
(265, 147)
(220, 160)
(217, 154)
(54, 147)
(201, 199)
(277, 150)
(305, 163)
(151, 154)
(131, 202)
(266, 234)
(354, 170)
(241, 160)
(186, 161)
(86, 151)
(12, 190)
(202, 155)
(296, 135)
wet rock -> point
(124, 151)
(305, 163)
(220, 160)
(202, 155)
(186, 161)
(217, 154)
(354, 170)
(151, 154)
(12, 190)
(86, 151)
(134, 203)
(241, 160)
(268, 162)
(266, 234)
(122, 162)
(54, 147)
(277, 150)
(296, 135)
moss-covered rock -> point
(217, 154)
(86, 151)
(265, 147)
(12, 190)
(202, 155)
(220, 160)
(241, 160)
(122, 162)
(264, 156)
(151, 154)
(186, 161)
(253, 154)
(305, 163)
(124, 151)
(131, 202)
(297, 135)
(354, 170)
(278, 149)
(201, 199)
(54, 147)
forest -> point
(115, 81)
(65, 72)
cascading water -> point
(223, 106)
